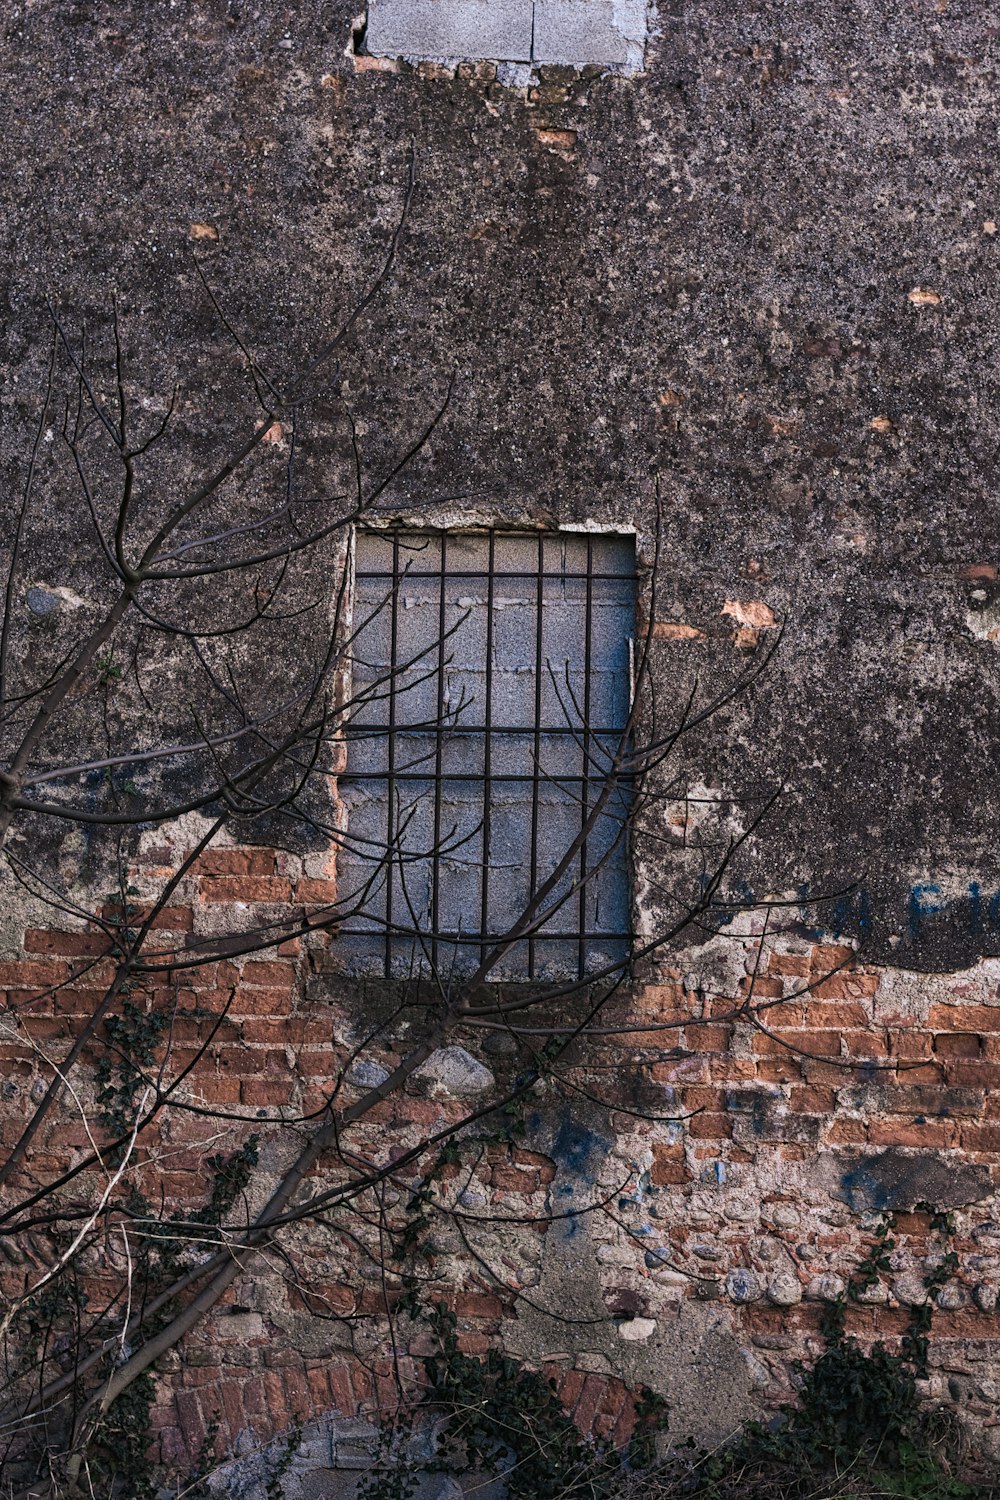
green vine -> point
(133, 1038)
(499, 1415)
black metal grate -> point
(495, 669)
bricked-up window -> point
(504, 660)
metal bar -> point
(474, 939)
(588, 635)
(391, 755)
(484, 878)
(570, 777)
(438, 755)
(496, 729)
(415, 573)
(539, 605)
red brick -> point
(34, 974)
(665, 1037)
(846, 987)
(714, 1038)
(587, 1406)
(937, 1133)
(250, 1002)
(542, 1164)
(316, 892)
(235, 862)
(709, 1126)
(319, 1389)
(625, 1426)
(342, 1391)
(268, 974)
(957, 1044)
(245, 888)
(976, 1075)
(611, 1408)
(191, 1421)
(921, 1073)
(964, 1018)
(827, 956)
(475, 1344)
(569, 1387)
(477, 1305)
(835, 1014)
(68, 944)
(795, 965)
(865, 1044)
(297, 1392)
(759, 987)
(515, 1180)
(254, 1403)
(981, 1137)
(816, 1043)
(812, 1101)
(785, 1068)
(284, 1031)
(264, 1092)
(277, 1402)
(909, 1045)
(847, 1132)
(215, 1090)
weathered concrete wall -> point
(762, 272)
(706, 272)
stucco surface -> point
(703, 274)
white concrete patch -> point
(637, 1330)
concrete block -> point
(589, 31)
(499, 29)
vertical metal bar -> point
(391, 753)
(438, 758)
(539, 578)
(588, 635)
(484, 917)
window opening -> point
(491, 673)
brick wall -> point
(782, 1133)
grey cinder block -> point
(578, 31)
(498, 29)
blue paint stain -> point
(974, 912)
(922, 905)
(578, 1149)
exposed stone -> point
(951, 1296)
(365, 1073)
(910, 1290)
(985, 1295)
(452, 1070)
(874, 1295)
(743, 1285)
(828, 1288)
(784, 1289)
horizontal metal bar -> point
(473, 939)
(437, 575)
(482, 777)
(545, 730)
